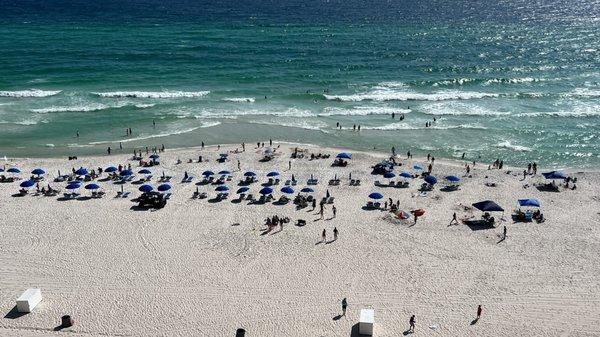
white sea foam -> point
(460, 109)
(362, 111)
(88, 108)
(159, 135)
(29, 93)
(49, 145)
(289, 112)
(239, 99)
(391, 95)
(512, 80)
(404, 126)
(508, 145)
(152, 94)
(302, 124)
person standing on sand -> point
(323, 236)
(335, 233)
(289, 165)
(321, 212)
(238, 165)
(120, 146)
(479, 311)
(344, 306)
(334, 210)
(412, 322)
(504, 238)
(454, 219)
(108, 150)
(202, 145)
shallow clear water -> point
(511, 80)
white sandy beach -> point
(186, 270)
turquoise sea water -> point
(511, 80)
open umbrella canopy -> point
(250, 174)
(81, 171)
(224, 172)
(554, 175)
(266, 190)
(38, 172)
(144, 171)
(224, 154)
(307, 190)
(488, 206)
(243, 189)
(453, 179)
(273, 174)
(431, 180)
(529, 202)
(406, 175)
(376, 195)
(92, 186)
(154, 156)
(111, 169)
(13, 170)
(73, 186)
(344, 155)
(126, 173)
(389, 175)
(146, 188)
(287, 190)
(208, 173)
(417, 167)
(27, 183)
(222, 188)
(163, 187)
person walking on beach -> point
(344, 306)
(203, 145)
(334, 210)
(238, 165)
(108, 150)
(289, 165)
(454, 219)
(478, 312)
(412, 322)
(504, 237)
(120, 146)
(321, 212)
(335, 233)
(324, 236)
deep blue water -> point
(510, 79)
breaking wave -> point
(29, 93)
(152, 94)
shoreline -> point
(376, 152)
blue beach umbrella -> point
(111, 169)
(307, 190)
(249, 174)
(554, 175)
(224, 172)
(529, 202)
(389, 175)
(272, 174)
(266, 190)
(208, 173)
(287, 190)
(155, 156)
(144, 171)
(243, 190)
(126, 173)
(417, 167)
(146, 188)
(406, 175)
(222, 188)
(344, 155)
(431, 180)
(13, 170)
(453, 179)
(163, 187)
(81, 171)
(73, 186)
(376, 195)
(38, 172)
(92, 186)
(488, 206)
(27, 183)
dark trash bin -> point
(240, 332)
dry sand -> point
(185, 270)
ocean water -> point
(514, 80)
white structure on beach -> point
(367, 320)
(29, 299)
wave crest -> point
(29, 93)
(152, 94)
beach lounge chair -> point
(377, 205)
(287, 182)
(250, 197)
(366, 322)
(330, 200)
(168, 195)
(202, 195)
(370, 204)
(124, 194)
(29, 300)
(301, 223)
